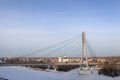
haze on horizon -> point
(29, 25)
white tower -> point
(84, 51)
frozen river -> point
(22, 73)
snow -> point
(22, 73)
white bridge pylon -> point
(84, 70)
(84, 50)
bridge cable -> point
(25, 55)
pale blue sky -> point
(28, 25)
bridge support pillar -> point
(55, 67)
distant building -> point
(63, 59)
(59, 59)
(101, 60)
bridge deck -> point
(40, 64)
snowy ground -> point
(21, 73)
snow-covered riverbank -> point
(22, 73)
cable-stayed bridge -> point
(77, 46)
(70, 48)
